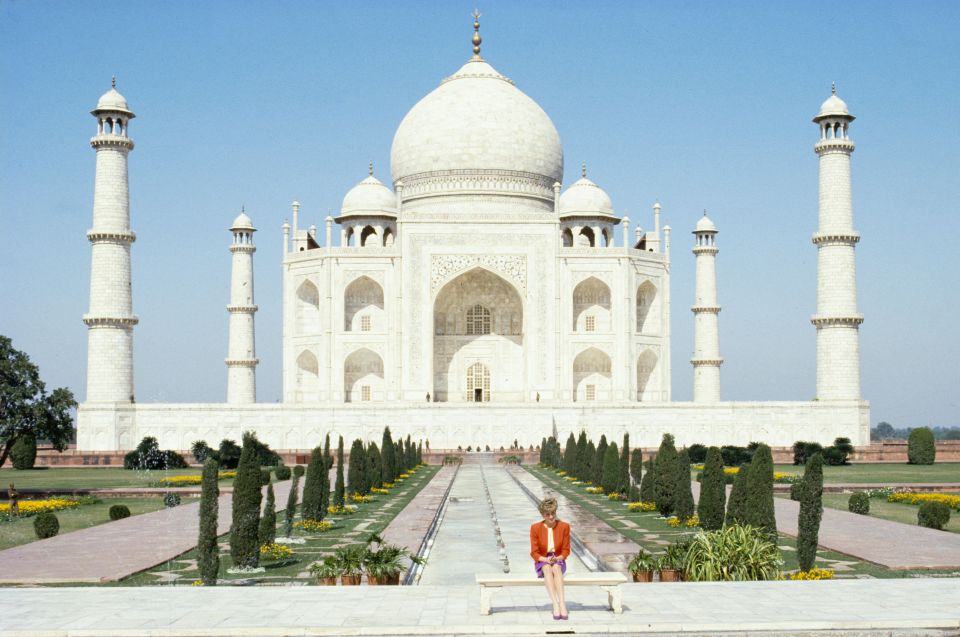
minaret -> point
(837, 320)
(706, 349)
(241, 353)
(110, 319)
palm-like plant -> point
(733, 553)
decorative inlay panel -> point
(443, 266)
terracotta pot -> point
(392, 580)
(643, 576)
(327, 581)
(670, 575)
(373, 580)
(350, 580)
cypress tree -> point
(647, 493)
(591, 459)
(420, 452)
(374, 467)
(312, 485)
(325, 489)
(570, 456)
(759, 509)
(665, 476)
(338, 491)
(623, 481)
(267, 533)
(610, 474)
(582, 468)
(543, 451)
(410, 458)
(389, 471)
(208, 553)
(244, 549)
(713, 492)
(683, 504)
(599, 456)
(811, 509)
(737, 504)
(357, 475)
(291, 505)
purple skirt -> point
(538, 566)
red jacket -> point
(538, 540)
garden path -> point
(109, 552)
(891, 544)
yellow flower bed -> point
(388, 485)
(379, 490)
(404, 475)
(561, 473)
(360, 499)
(346, 509)
(691, 522)
(594, 489)
(813, 574)
(642, 506)
(275, 551)
(186, 481)
(32, 507)
(313, 526)
(912, 497)
(673, 521)
(616, 496)
(569, 478)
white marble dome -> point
(705, 224)
(112, 100)
(586, 198)
(833, 106)
(242, 222)
(476, 120)
(369, 196)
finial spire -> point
(583, 169)
(243, 208)
(704, 212)
(476, 35)
(370, 168)
(833, 88)
(113, 82)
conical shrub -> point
(610, 475)
(374, 467)
(665, 476)
(623, 480)
(357, 474)
(713, 492)
(267, 532)
(312, 486)
(811, 510)
(683, 507)
(244, 547)
(759, 509)
(327, 465)
(291, 511)
(339, 498)
(737, 504)
(599, 458)
(647, 493)
(208, 552)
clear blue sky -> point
(702, 104)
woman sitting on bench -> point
(549, 548)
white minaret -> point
(241, 351)
(837, 320)
(110, 320)
(706, 348)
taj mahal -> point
(473, 299)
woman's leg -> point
(550, 581)
(558, 587)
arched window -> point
(591, 375)
(363, 377)
(478, 320)
(646, 295)
(591, 298)
(388, 238)
(363, 297)
(646, 363)
(567, 237)
(365, 237)
(586, 238)
(478, 383)
(308, 308)
(307, 377)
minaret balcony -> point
(851, 320)
(95, 320)
(842, 238)
(829, 146)
(242, 309)
(241, 362)
(243, 247)
(712, 250)
(706, 362)
(97, 236)
(111, 141)
(705, 309)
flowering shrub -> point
(912, 497)
(186, 481)
(561, 473)
(594, 489)
(313, 526)
(197, 582)
(346, 509)
(673, 521)
(692, 522)
(642, 506)
(569, 478)
(275, 552)
(33, 507)
(404, 475)
(881, 492)
(616, 496)
(785, 478)
(813, 574)
(388, 485)
(360, 499)
(379, 490)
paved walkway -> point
(838, 607)
(891, 544)
(109, 552)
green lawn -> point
(88, 477)
(651, 527)
(878, 473)
(896, 511)
(20, 531)
(370, 518)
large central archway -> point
(478, 319)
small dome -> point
(370, 196)
(112, 100)
(705, 224)
(242, 222)
(833, 106)
(585, 198)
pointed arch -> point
(307, 386)
(646, 364)
(388, 238)
(566, 238)
(646, 298)
(307, 310)
(363, 377)
(591, 375)
(368, 237)
(591, 306)
(363, 298)
(586, 238)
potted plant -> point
(672, 563)
(384, 564)
(642, 566)
(349, 561)
(326, 571)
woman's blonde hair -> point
(548, 505)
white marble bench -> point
(607, 581)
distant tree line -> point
(886, 431)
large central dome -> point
(481, 131)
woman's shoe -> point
(564, 616)
(558, 616)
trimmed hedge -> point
(282, 472)
(23, 454)
(171, 500)
(921, 448)
(713, 492)
(299, 470)
(802, 451)
(46, 525)
(933, 515)
(119, 511)
(859, 503)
